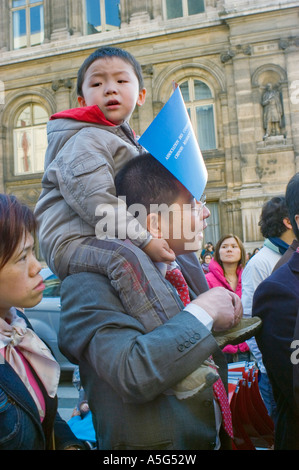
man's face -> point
(182, 226)
(112, 84)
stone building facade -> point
(235, 61)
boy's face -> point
(111, 84)
(182, 226)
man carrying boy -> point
(127, 372)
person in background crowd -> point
(206, 259)
(225, 270)
(277, 230)
(209, 247)
(29, 374)
(276, 302)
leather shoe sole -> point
(246, 328)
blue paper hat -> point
(170, 139)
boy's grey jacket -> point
(80, 165)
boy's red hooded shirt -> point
(91, 114)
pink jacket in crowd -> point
(215, 278)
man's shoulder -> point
(265, 259)
(279, 279)
(287, 269)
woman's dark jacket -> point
(20, 425)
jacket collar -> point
(90, 114)
(294, 262)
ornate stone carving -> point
(226, 56)
(56, 84)
(147, 69)
(230, 53)
(286, 43)
(272, 111)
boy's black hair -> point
(104, 52)
(144, 180)
(271, 219)
(292, 201)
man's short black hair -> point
(292, 201)
(104, 52)
(273, 213)
(144, 180)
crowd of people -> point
(148, 325)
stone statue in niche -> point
(273, 116)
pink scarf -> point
(34, 351)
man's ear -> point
(81, 101)
(287, 223)
(153, 225)
(141, 97)
(297, 220)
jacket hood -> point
(217, 269)
(215, 277)
(63, 125)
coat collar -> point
(294, 262)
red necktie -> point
(176, 278)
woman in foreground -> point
(29, 374)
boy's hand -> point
(158, 250)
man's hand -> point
(223, 306)
(158, 250)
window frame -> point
(184, 9)
(194, 103)
(16, 131)
(103, 26)
(27, 7)
(213, 231)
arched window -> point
(199, 101)
(30, 140)
(27, 22)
